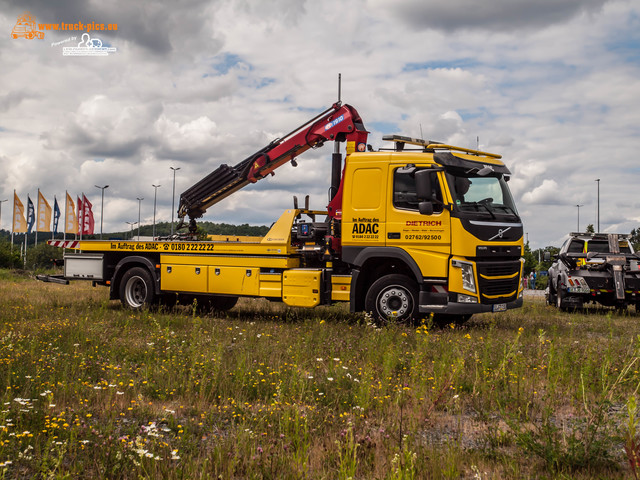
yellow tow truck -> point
(414, 229)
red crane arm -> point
(338, 123)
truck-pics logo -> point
(88, 47)
(25, 27)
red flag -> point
(80, 216)
(87, 216)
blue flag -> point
(56, 215)
(31, 214)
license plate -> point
(500, 307)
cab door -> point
(364, 206)
(427, 238)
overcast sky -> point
(552, 85)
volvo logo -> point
(500, 233)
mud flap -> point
(618, 281)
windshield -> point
(488, 195)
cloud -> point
(105, 127)
(496, 15)
(551, 86)
(547, 193)
(13, 99)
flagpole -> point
(66, 209)
(13, 220)
(37, 217)
(81, 222)
(53, 233)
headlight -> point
(468, 281)
(462, 298)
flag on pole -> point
(31, 214)
(44, 214)
(87, 216)
(80, 218)
(19, 223)
(56, 215)
(71, 222)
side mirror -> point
(425, 208)
(547, 256)
(423, 185)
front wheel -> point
(137, 289)
(393, 296)
(561, 295)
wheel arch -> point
(127, 263)
(371, 263)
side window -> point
(576, 246)
(404, 191)
(598, 246)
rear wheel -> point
(394, 297)
(137, 289)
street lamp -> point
(155, 196)
(173, 195)
(139, 203)
(132, 224)
(5, 200)
(101, 206)
(579, 216)
(598, 230)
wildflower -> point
(330, 379)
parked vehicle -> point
(595, 268)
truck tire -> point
(560, 296)
(551, 294)
(136, 289)
(393, 296)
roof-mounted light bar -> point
(430, 145)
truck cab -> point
(442, 217)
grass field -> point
(90, 390)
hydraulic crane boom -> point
(338, 123)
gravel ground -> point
(534, 294)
